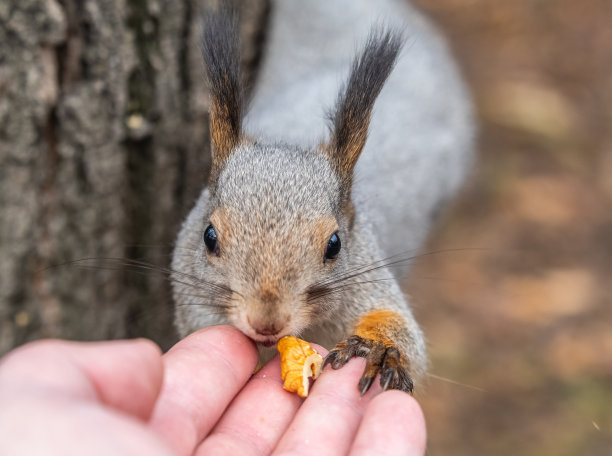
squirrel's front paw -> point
(379, 358)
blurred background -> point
(524, 320)
(104, 146)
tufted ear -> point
(221, 52)
(350, 117)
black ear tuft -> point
(221, 51)
(351, 116)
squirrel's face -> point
(273, 231)
(276, 228)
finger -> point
(257, 418)
(328, 420)
(393, 425)
(203, 373)
(125, 375)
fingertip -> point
(393, 424)
(407, 406)
(222, 338)
(150, 360)
(148, 357)
(222, 334)
(225, 330)
(149, 348)
(320, 349)
(128, 374)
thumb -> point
(124, 375)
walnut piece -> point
(299, 361)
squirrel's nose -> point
(265, 328)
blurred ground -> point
(525, 313)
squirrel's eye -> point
(210, 239)
(333, 247)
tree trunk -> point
(104, 147)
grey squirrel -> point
(291, 234)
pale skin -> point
(126, 398)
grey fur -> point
(418, 152)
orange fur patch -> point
(224, 134)
(321, 230)
(345, 150)
(378, 325)
(221, 221)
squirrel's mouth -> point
(268, 343)
(266, 336)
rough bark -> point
(103, 148)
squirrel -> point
(294, 233)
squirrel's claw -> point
(344, 351)
(379, 359)
(392, 374)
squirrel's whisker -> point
(383, 263)
(144, 268)
(320, 293)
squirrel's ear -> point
(350, 117)
(221, 52)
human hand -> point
(124, 397)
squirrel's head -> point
(276, 227)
